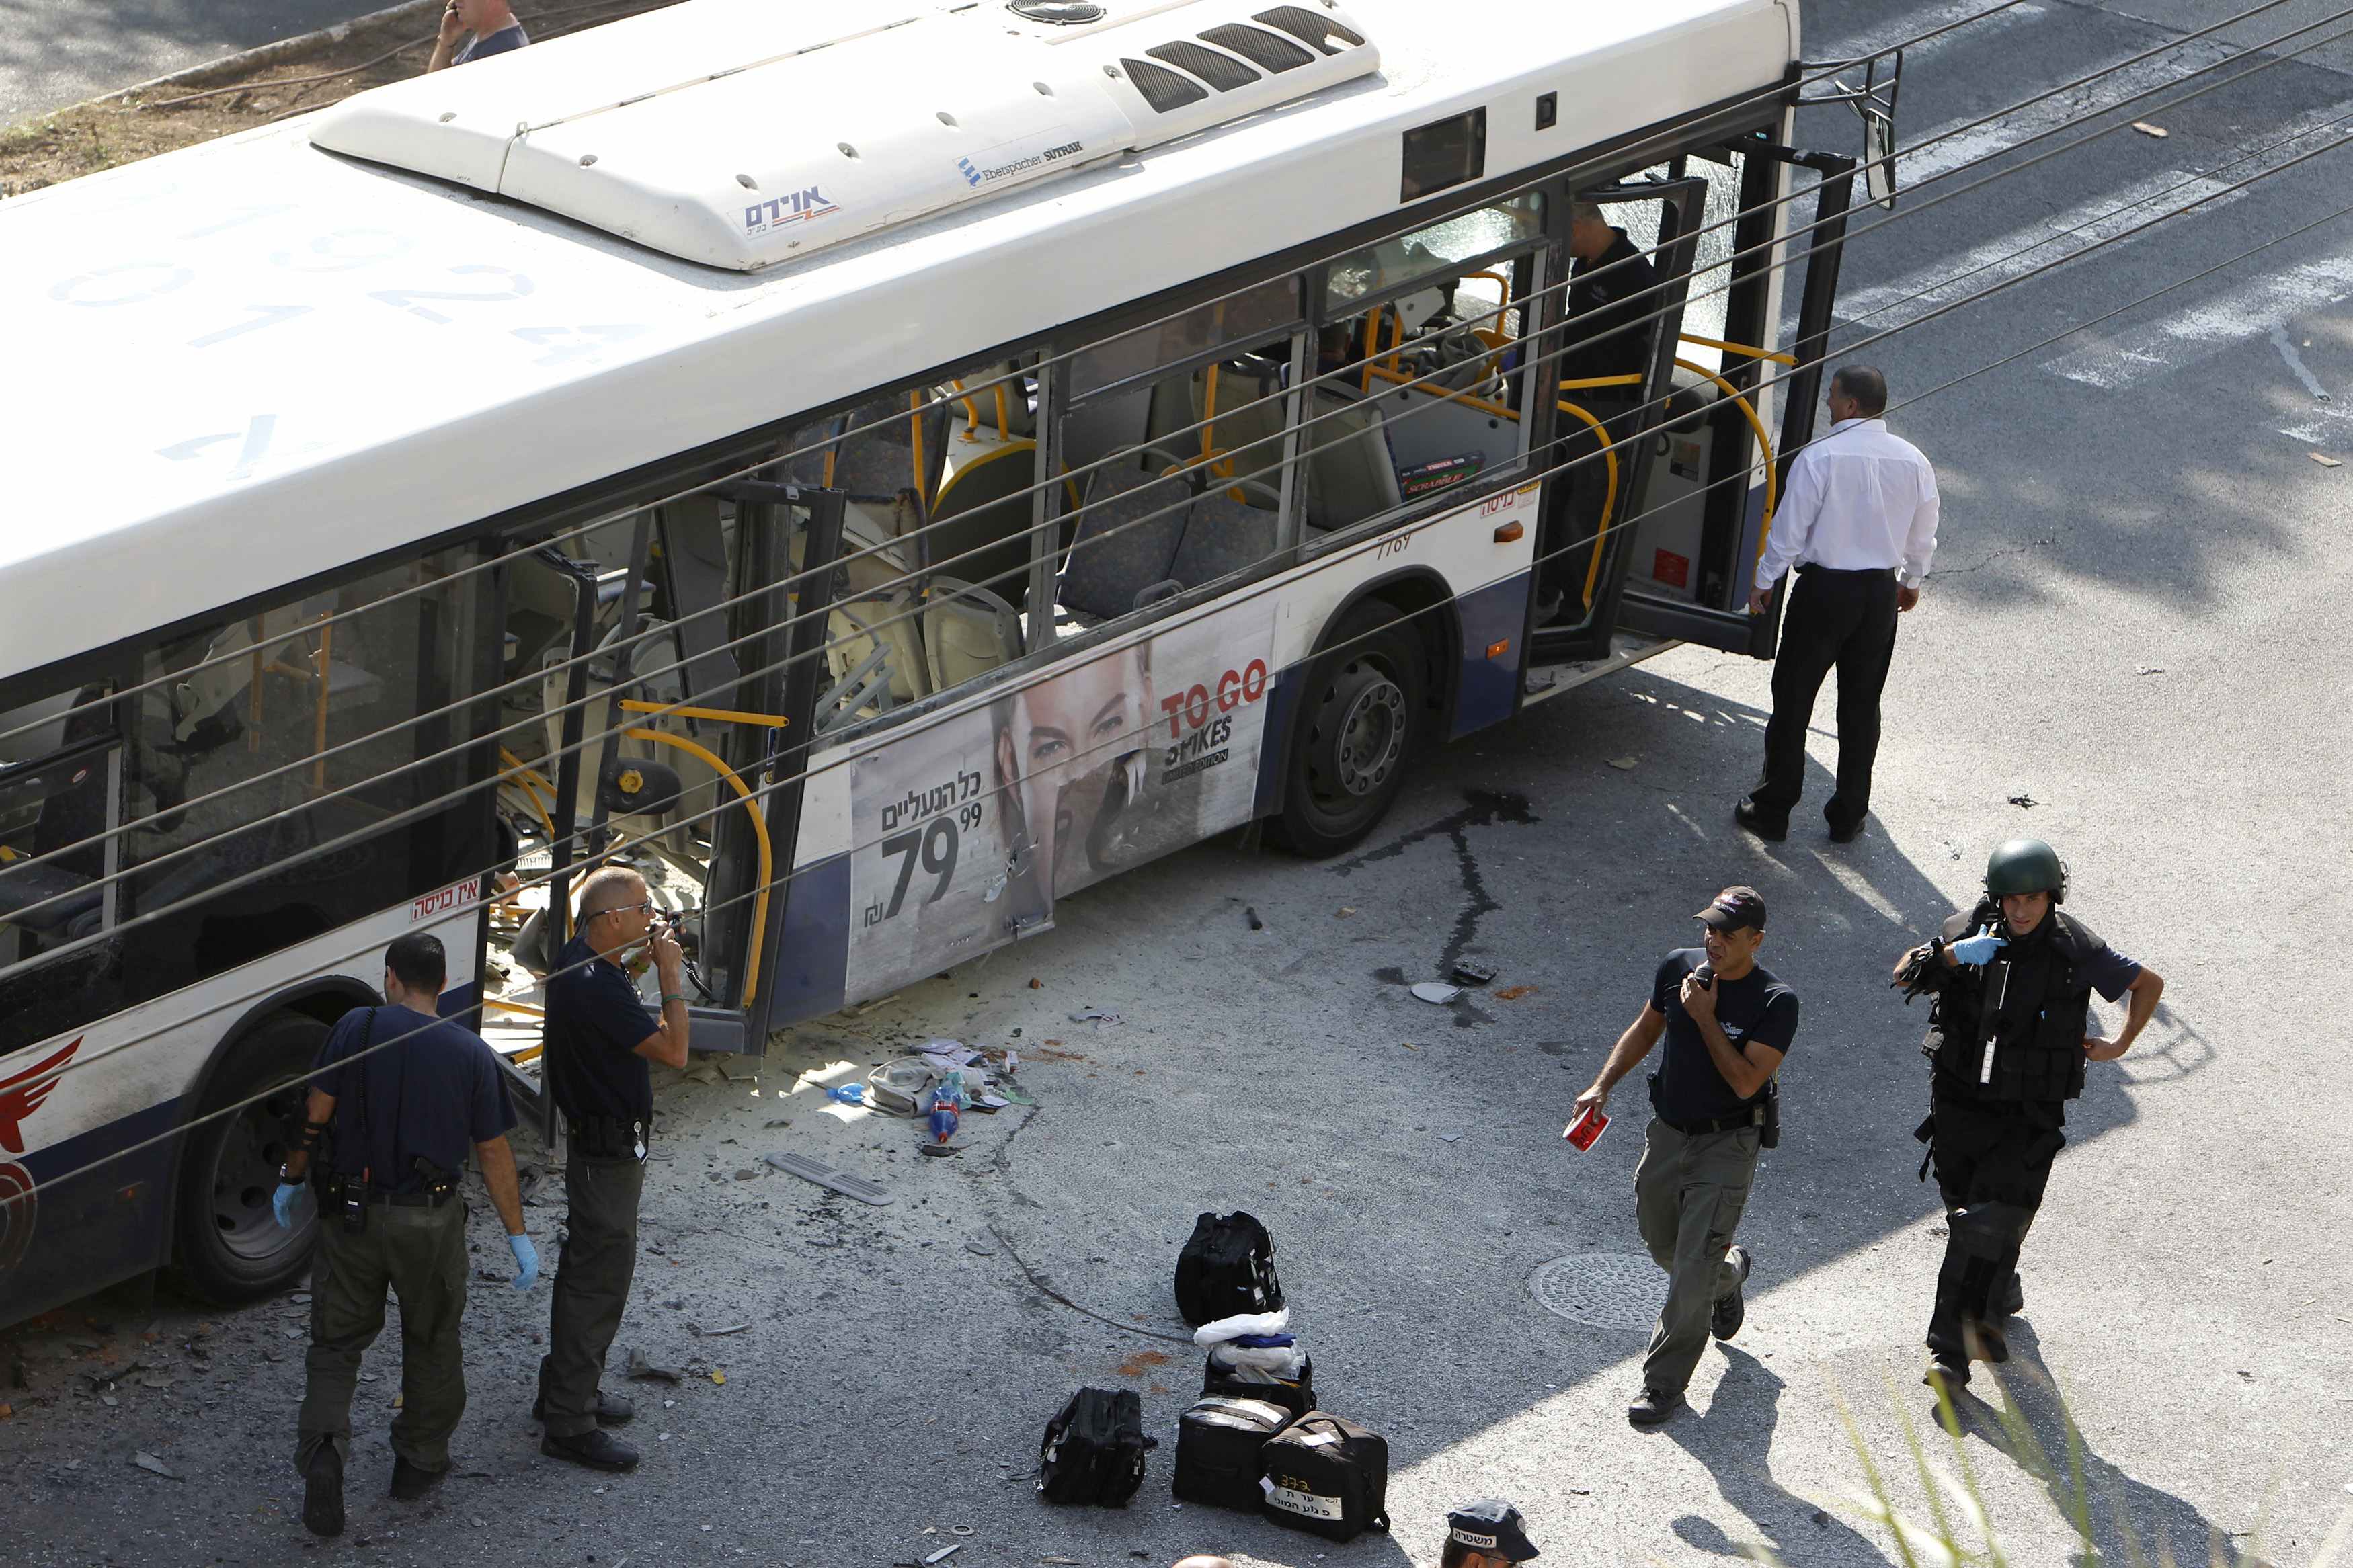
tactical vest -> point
(2012, 1028)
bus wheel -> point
(229, 1246)
(1361, 717)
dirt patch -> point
(1141, 1363)
(98, 135)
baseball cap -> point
(1491, 1526)
(1736, 907)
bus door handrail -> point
(531, 780)
(759, 834)
(1610, 463)
(1764, 443)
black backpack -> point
(1298, 1397)
(1228, 1267)
(1328, 1477)
(1093, 1451)
(1217, 1445)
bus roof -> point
(244, 364)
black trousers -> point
(1841, 620)
(1993, 1161)
(592, 1287)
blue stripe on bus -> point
(1274, 741)
(105, 1220)
(812, 975)
(1496, 613)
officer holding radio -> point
(398, 1095)
(600, 1038)
(2009, 1032)
(1727, 1022)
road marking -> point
(2286, 346)
(1887, 34)
(2199, 332)
(2044, 243)
(1948, 148)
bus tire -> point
(228, 1247)
(1363, 713)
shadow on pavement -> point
(1734, 1440)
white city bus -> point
(444, 485)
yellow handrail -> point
(1610, 497)
(505, 1006)
(916, 441)
(717, 715)
(1764, 443)
(523, 773)
(759, 832)
(1742, 349)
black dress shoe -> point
(410, 1482)
(1654, 1408)
(612, 1409)
(1953, 1374)
(1724, 1320)
(322, 1492)
(1750, 815)
(2009, 1298)
(1847, 835)
(596, 1448)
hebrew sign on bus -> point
(965, 834)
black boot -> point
(612, 1409)
(410, 1482)
(322, 1492)
(596, 1448)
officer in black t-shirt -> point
(1727, 1023)
(405, 1094)
(600, 1038)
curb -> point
(294, 48)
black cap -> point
(1492, 1527)
(1735, 908)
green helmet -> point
(2026, 865)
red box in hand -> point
(1588, 1127)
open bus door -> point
(722, 677)
(1689, 549)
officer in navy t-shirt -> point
(1727, 1022)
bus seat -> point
(980, 520)
(1350, 474)
(858, 662)
(215, 685)
(967, 632)
(24, 884)
(1129, 532)
(876, 457)
(1222, 536)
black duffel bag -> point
(1328, 1477)
(1298, 1396)
(1218, 1444)
(1227, 1269)
(1093, 1451)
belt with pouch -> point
(346, 1192)
(611, 1137)
(1763, 1113)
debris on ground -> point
(1436, 992)
(2148, 669)
(943, 1554)
(1096, 1016)
(2146, 129)
(1345, 911)
(809, 1170)
(846, 1093)
(714, 1333)
(1623, 764)
(153, 1465)
(644, 1371)
(1467, 973)
(2324, 459)
(1514, 992)
(1250, 914)
(2023, 801)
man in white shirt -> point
(1859, 522)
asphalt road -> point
(2134, 623)
(55, 52)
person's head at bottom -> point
(1486, 1534)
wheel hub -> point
(242, 1179)
(1371, 736)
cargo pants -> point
(1688, 1192)
(419, 1254)
(592, 1287)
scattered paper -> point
(1346, 912)
(943, 1554)
(153, 1465)
(1434, 992)
(2146, 129)
(2324, 459)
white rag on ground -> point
(1259, 1363)
(1241, 1323)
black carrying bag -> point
(1218, 1446)
(1298, 1397)
(1093, 1451)
(1328, 1477)
(1225, 1269)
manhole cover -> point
(1602, 1290)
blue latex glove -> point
(1978, 948)
(283, 1202)
(526, 1259)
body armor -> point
(2012, 1028)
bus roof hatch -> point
(739, 133)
